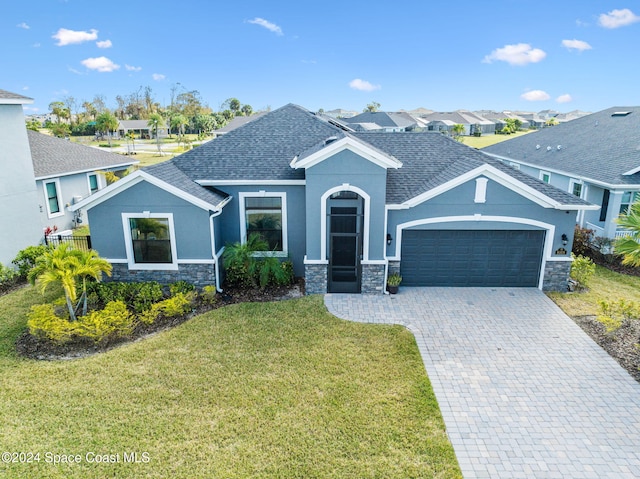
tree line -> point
(185, 113)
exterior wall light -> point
(390, 239)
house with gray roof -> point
(141, 129)
(18, 194)
(473, 123)
(381, 121)
(595, 157)
(65, 173)
(347, 208)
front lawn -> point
(248, 390)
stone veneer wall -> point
(198, 274)
(394, 267)
(372, 279)
(556, 276)
(315, 278)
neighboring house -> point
(595, 157)
(500, 117)
(236, 122)
(66, 172)
(444, 121)
(382, 121)
(346, 208)
(141, 129)
(18, 194)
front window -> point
(150, 240)
(628, 198)
(576, 188)
(52, 195)
(264, 214)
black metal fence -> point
(79, 242)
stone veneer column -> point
(315, 278)
(556, 276)
(372, 279)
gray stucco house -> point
(347, 208)
(65, 173)
(595, 157)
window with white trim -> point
(264, 214)
(545, 176)
(150, 240)
(575, 188)
(52, 196)
(628, 198)
(94, 183)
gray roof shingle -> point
(57, 157)
(10, 97)
(599, 146)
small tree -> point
(106, 123)
(458, 130)
(629, 246)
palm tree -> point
(58, 265)
(179, 122)
(458, 130)
(106, 123)
(155, 120)
(629, 246)
(90, 265)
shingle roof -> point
(383, 118)
(259, 150)
(57, 157)
(599, 146)
(237, 122)
(430, 159)
(171, 174)
(13, 98)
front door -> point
(345, 248)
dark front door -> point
(345, 249)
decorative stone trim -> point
(315, 278)
(373, 279)
(394, 267)
(556, 276)
(198, 274)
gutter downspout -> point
(216, 264)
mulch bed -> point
(42, 349)
(622, 345)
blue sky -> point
(503, 54)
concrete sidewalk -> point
(524, 392)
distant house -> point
(444, 122)
(65, 173)
(382, 121)
(20, 225)
(499, 117)
(141, 129)
(236, 122)
(595, 157)
(346, 208)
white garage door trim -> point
(548, 243)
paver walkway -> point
(524, 392)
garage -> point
(472, 257)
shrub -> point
(582, 239)
(45, 324)
(582, 270)
(177, 305)
(7, 274)
(181, 287)
(272, 271)
(394, 279)
(137, 296)
(209, 295)
(613, 314)
(26, 259)
(240, 261)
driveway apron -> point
(524, 392)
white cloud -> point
(535, 95)
(25, 88)
(158, 76)
(101, 64)
(617, 18)
(70, 37)
(576, 45)
(104, 44)
(23, 25)
(580, 23)
(518, 54)
(36, 45)
(132, 68)
(363, 85)
(272, 27)
(566, 98)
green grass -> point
(488, 140)
(260, 390)
(605, 285)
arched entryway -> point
(344, 227)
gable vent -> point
(620, 113)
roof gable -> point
(360, 148)
(8, 98)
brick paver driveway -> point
(523, 391)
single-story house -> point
(347, 208)
(141, 129)
(65, 173)
(444, 121)
(382, 121)
(595, 157)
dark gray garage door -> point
(471, 258)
